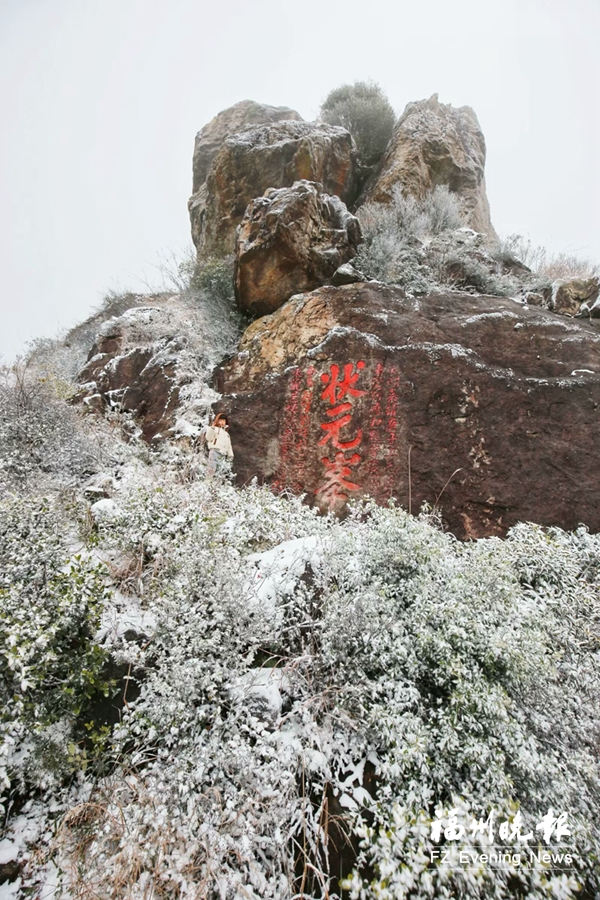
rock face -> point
(268, 156)
(330, 394)
(126, 372)
(436, 144)
(211, 138)
(347, 274)
(151, 361)
(291, 240)
(229, 121)
(568, 296)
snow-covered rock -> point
(105, 509)
(277, 571)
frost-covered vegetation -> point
(292, 700)
(420, 245)
(42, 444)
(365, 111)
(214, 692)
(548, 266)
(394, 236)
(206, 290)
(51, 664)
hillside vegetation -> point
(210, 691)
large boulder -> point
(128, 372)
(268, 156)
(568, 295)
(436, 144)
(142, 363)
(229, 121)
(291, 240)
(478, 404)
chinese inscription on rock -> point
(340, 439)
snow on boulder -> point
(571, 295)
(436, 144)
(209, 139)
(140, 365)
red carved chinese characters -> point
(337, 389)
(339, 393)
(295, 432)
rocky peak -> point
(436, 144)
(342, 381)
(229, 121)
(266, 156)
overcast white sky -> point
(101, 100)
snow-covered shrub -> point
(308, 679)
(41, 438)
(209, 281)
(517, 248)
(394, 233)
(57, 360)
(365, 111)
(217, 328)
(406, 217)
(465, 272)
(419, 244)
(490, 646)
(212, 287)
(313, 698)
(50, 665)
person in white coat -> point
(218, 442)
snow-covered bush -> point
(548, 266)
(211, 285)
(406, 217)
(305, 705)
(41, 438)
(50, 664)
(394, 233)
(309, 679)
(465, 271)
(58, 360)
(493, 644)
(420, 245)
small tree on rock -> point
(366, 112)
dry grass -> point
(549, 266)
